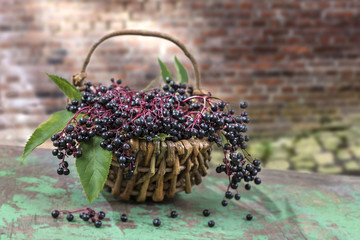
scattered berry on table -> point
(206, 212)
(70, 217)
(55, 213)
(97, 223)
(174, 214)
(101, 215)
(156, 222)
(211, 223)
(249, 217)
(124, 218)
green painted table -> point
(288, 205)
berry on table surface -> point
(124, 218)
(206, 212)
(97, 223)
(156, 222)
(70, 217)
(249, 217)
(211, 223)
(101, 215)
(174, 214)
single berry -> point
(70, 217)
(174, 214)
(97, 223)
(224, 203)
(229, 195)
(81, 215)
(211, 223)
(66, 171)
(257, 181)
(206, 212)
(243, 105)
(86, 217)
(237, 196)
(249, 217)
(101, 215)
(124, 218)
(247, 186)
(55, 213)
(60, 171)
(156, 222)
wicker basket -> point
(162, 168)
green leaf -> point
(56, 123)
(164, 71)
(70, 90)
(181, 71)
(223, 138)
(93, 167)
(161, 137)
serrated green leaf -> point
(93, 167)
(45, 130)
(68, 89)
(181, 71)
(164, 71)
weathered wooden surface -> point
(288, 205)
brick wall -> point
(296, 62)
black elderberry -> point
(101, 215)
(224, 203)
(247, 186)
(243, 105)
(66, 171)
(229, 195)
(55, 213)
(86, 217)
(70, 217)
(77, 154)
(97, 223)
(156, 222)
(256, 162)
(55, 152)
(249, 217)
(174, 214)
(81, 215)
(211, 223)
(124, 218)
(60, 171)
(237, 196)
(206, 212)
(257, 180)
(60, 155)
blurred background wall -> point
(296, 62)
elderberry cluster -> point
(86, 215)
(118, 114)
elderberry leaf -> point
(223, 138)
(164, 71)
(93, 167)
(45, 130)
(181, 71)
(67, 88)
(161, 137)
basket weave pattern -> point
(162, 169)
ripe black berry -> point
(206, 212)
(249, 217)
(237, 196)
(124, 218)
(211, 223)
(60, 171)
(97, 223)
(55, 213)
(174, 214)
(243, 105)
(229, 195)
(156, 222)
(66, 171)
(70, 217)
(224, 203)
(247, 186)
(101, 215)
(257, 180)
(86, 217)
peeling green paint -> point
(280, 211)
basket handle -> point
(79, 78)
